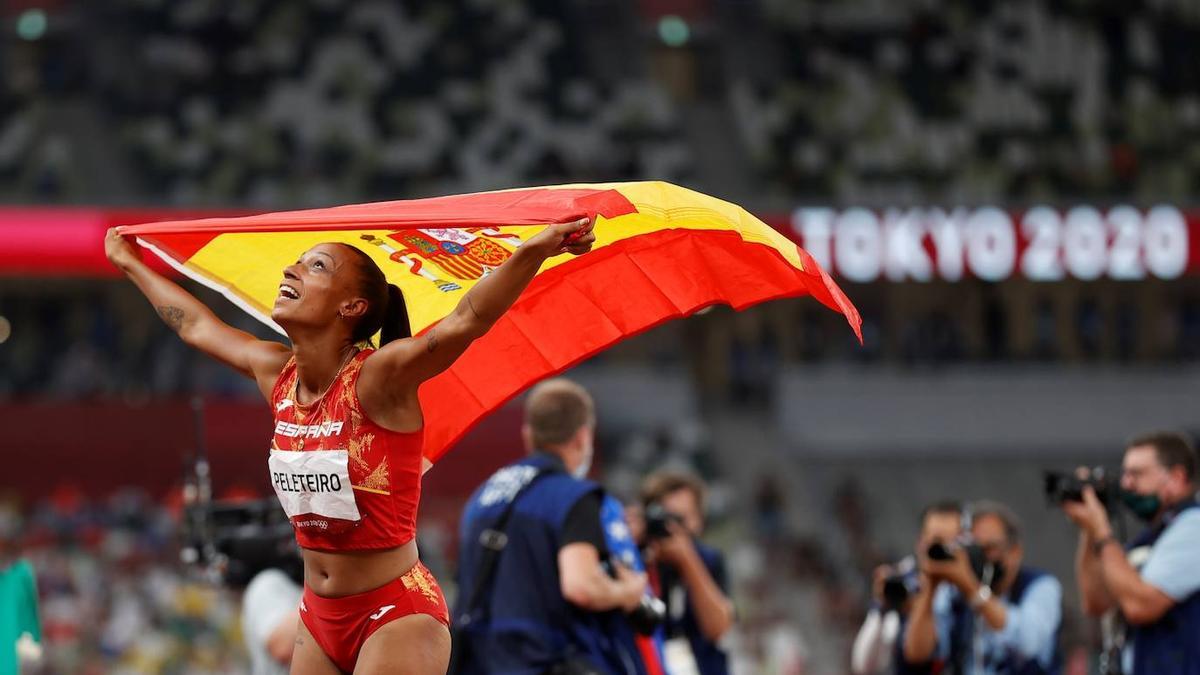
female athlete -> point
(346, 458)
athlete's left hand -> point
(575, 237)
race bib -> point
(316, 482)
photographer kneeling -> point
(1156, 585)
(979, 610)
(686, 574)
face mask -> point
(1145, 507)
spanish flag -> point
(661, 252)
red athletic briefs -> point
(342, 625)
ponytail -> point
(395, 317)
(387, 313)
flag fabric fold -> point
(662, 252)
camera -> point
(986, 571)
(648, 616)
(1067, 486)
(658, 521)
(650, 612)
(233, 541)
(901, 585)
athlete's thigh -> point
(413, 645)
(308, 658)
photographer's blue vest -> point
(527, 626)
(964, 624)
(1171, 645)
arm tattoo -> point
(431, 341)
(299, 639)
(471, 304)
(173, 316)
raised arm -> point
(920, 637)
(394, 372)
(196, 324)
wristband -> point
(1098, 546)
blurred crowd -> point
(868, 102)
(113, 596)
(271, 102)
(100, 341)
(929, 101)
(76, 339)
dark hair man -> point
(1154, 582)
(533, 596)
(875, 647)
(990, 615)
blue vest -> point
(1171, 645)
(964, 623)
(527, 625)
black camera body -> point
(647, 616)
(650, 612)
(900, 586)
(986, 571)
(234, 541)
(1067, 486)
(658, 521)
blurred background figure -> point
(269, 616)
(1008, 191)
(687, 575)
(1151, 592)
(893, 588)
(540, 589)
(20, 623)
(980, 609)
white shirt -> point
(270, 597)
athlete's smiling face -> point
(318, 289)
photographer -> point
(979, 610)
(533, 595)
(893, 588)
(270, 610)
(1156, 583)
(20, 623)
(685, 573)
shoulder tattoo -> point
(431, 341)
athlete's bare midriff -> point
(334, 574)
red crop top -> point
(346, 483)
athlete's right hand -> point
(120, 251)
(633, 586)
(575, 237)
